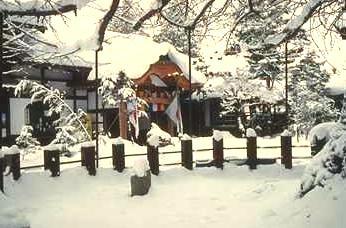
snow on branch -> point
(155, 9)
(296, 23)
(42, 13)
(191, 25)
(71, 129)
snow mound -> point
(328, 162)
(325, 131)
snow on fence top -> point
(217, 135)
(11, 150)
(186, 137)
(118, 141)
(250, 133)
(286, 133)
(140, 167)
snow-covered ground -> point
(204, 197)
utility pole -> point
(1, 68)
(286, 83)
(97, 107)
(189, 29)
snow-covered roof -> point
(131, 53)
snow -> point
(130, 53)
(88, 144)
(118, 141)
(140, 167)
(325, 131)
(250, 133)
(217, 135)
(185, 137)
(53, 147)
(11, 150)
(205, 197)
(286, 133)
(157, 137)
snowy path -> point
(234, 197)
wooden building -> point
(159, 85)
(19, 111)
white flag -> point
(133, 114)
(174, 112)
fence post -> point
(54, 162)
(252, 152)
(153, 159)
(118, 156)
(186, 152)
(15, 165)
(2, 161)
(82, 155)
(218, 152)
(89, 155)
(46, 159)
(286, 151)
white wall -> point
(17, 115)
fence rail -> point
(88, 157)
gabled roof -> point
(168, 72)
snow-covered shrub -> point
(71, 129)
(156, 137)
(329, 161)
(320, 134)
(25, 142)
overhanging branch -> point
(41, 13)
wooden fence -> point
(88, 157)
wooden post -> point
(186, 153)
(118, 157)
(15, 165)
(286, 151)
(46, 159)
(90, 154)
(54, 163)
(82, 155)
(252, 152)
(153, 159)
(123, 120)
(218, 153)
(2, 164)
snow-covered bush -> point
(156, 137)
(69, 125)
(329, 161)
(25, 142)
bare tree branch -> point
(150, 14)
(105, 21)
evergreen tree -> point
(308, 101)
